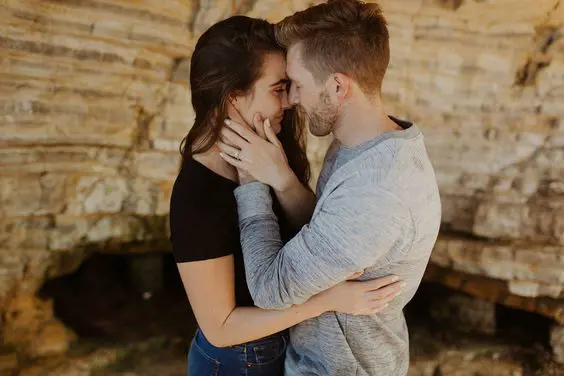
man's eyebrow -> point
(281, 81)
(290, 78)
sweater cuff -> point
(253, 199)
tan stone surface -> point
(83, 365)
(465, 367)
(30, 326)
(465, 313)
(557, 343)
(94, 102)
(529, 269)
(494, 290)
(8, 363)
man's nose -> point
(293, 97)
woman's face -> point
(269, 96)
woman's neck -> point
(212, 160)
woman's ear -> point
(232, 99)
(234, 109)
(232, 104)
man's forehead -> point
(293, 59)
(294, 52)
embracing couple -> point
(283, 280)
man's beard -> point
(323, 117)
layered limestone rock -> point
(94, 102)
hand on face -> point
(255, 157)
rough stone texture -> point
(557, 342)
(461, 367)
(94, 102)
(467, 314)
(529, 270)
(494, 290)
(8, 363)
(84, 365)
(29, 325)
(458, 358)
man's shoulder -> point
(393, 153)
(331, 154)
(391, 165)
(327, 167)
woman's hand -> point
(359, 298)
(263, 159)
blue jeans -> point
(263, 357)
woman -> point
(236, 71)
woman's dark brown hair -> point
(226, 61)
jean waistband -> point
(282, 337)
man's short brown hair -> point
(345, 36)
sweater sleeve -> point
(355, 227)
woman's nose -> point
(285, 103)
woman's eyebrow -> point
(281, 81)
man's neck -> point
(362, 122)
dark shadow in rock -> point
(103, 300)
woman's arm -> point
(211, 291)
(265, 160)
(297, 201)
(210, 288)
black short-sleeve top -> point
(204, 223)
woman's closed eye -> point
(281, 89)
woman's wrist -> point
(317, 305)
(287, 182)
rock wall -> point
(94, 102)
(485, 81)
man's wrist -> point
(253, 199)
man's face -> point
(312, 100)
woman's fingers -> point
(355, 275)
(233, 152)
(386, 291)
(378, 308)
(375, 295)
(385, 299)
(269, 132)
(259, 125)
(228, 149)
(377, 283)
(232, 138)
(375, 306)
(232, 161)
(240, 130)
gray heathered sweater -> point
(378, 209)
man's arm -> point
(353, 229)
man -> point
(378, 206)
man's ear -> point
(342, 85)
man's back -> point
(390, 173)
